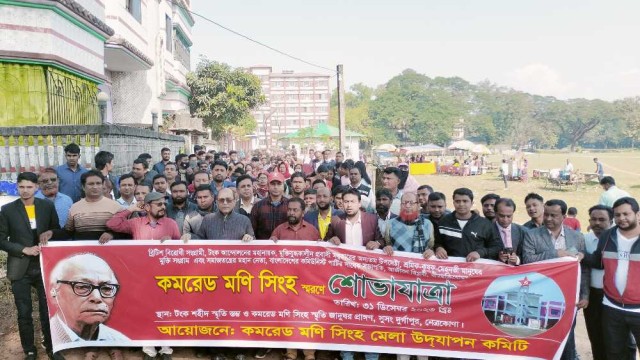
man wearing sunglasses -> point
(49, 189)
(83, 288)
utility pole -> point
(341, 109)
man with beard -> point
(355, 227)
(512, 235)
(225, 224)
(535, 210)
(141, 173)
(193, 220)
(219, 175)
(127, 188)
(488, 206)
(179, 206)
(48, 181)
(383, 203)
(554, 240)
(423, 198)
(409, 232)
(617, 253)
(154, 226)
(298, 185)
(321, 218)
(165, 153)
(465, 234)
(296, 228)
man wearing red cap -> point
(271, 211)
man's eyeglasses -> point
(50, 180)
(409, 203)
(84, 289)
(225, 200)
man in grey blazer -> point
(21, 223)
(553, 240)
(511, 234)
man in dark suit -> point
(21, 223)
(325, 213)
(355, 227)
(554, 240)
(512, 234)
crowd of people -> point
(319, 196)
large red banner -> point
(305, 295)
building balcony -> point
(128, 49)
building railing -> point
(182, 53)
(33, 148)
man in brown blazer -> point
(354, 227)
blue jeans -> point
(348, 355)
(22, 295)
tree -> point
(628, 110)
(223, 97)
(576, 117)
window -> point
(292, 97)
(291, 84)
(320, 96)
(169, 32)
(134, 8)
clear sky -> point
(567, 48)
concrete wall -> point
(42, 147)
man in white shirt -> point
(611, 192)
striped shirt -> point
(88, 220)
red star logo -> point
(525, 282)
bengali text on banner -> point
(304, 295)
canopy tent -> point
(480, 149)
(386, 147)
(429, 148)
(462, 145)
(319, 131)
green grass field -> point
(623, 166)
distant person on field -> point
(599, 168)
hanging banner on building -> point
(304, 295)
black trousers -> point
(593, 320)
(22, 295)
(616, 325)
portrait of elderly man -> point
(83, 289)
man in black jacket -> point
(21, 223)
(465, 234)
